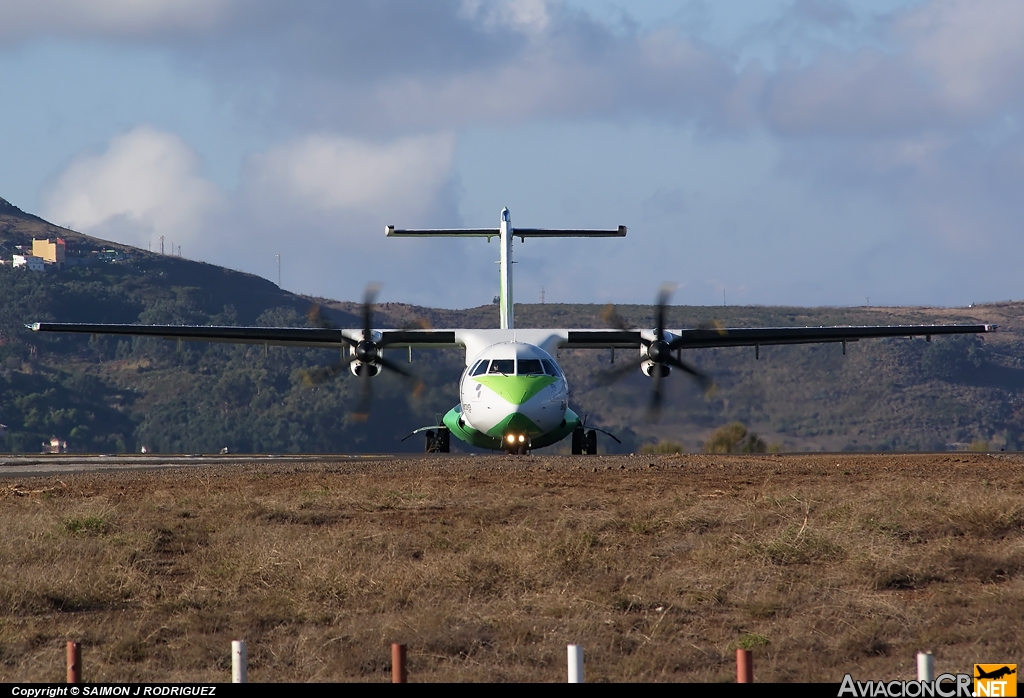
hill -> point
(106, 394)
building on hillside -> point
(51, 252)
(112, 256)
(30, 262)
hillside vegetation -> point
(105, 394)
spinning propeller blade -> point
(659, 351)
(366, 351)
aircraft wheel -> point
(578, 439)
(439, 442)
(591, 443)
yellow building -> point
(51, 252)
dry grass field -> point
(488, 566)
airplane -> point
(513, 395)
(995, 673)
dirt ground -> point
(488, 566)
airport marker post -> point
(398, 671)
(239, 662)
(575, 653)
(744, 666)
(925, 666)
(74, 662)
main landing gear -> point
(439, 441)
(584, 442)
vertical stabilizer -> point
(505, 313)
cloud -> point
(530, 16)
(333, 173)
(916, 111)
(321, 201)
(972, 51)
(91, 18)
(145, 185)
(946, 64)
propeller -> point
(367, 351)
(659, 351)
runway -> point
(46, 464)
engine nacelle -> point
(649, 367)
(358, 368)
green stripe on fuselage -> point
(466, 433)
(515, 390)
(516, 423)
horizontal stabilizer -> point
(521, 233)
(619, 232)
(393, 232)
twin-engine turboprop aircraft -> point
(513, 395)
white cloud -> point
(973, 50)
(107, 17)
(530, 16)
(333, 173)
(145, 185)
(321, 201)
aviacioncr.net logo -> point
(944, 686)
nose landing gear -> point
(516, 444)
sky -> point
(784, 152)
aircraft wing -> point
(476, 340)
(759, 336)
(747, 336)
(278, 336)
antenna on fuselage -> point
(505, 232)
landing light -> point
(511, 438)
(522, 438)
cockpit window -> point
(549, 366)
(479, 368)
(505, 366)
(530, 367)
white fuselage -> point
(513, 387)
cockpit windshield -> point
(503, 366)
(530, 367)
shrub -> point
(734, 438)
(662, 447)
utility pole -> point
(542, 295)
(278, 255)
(161, 244)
